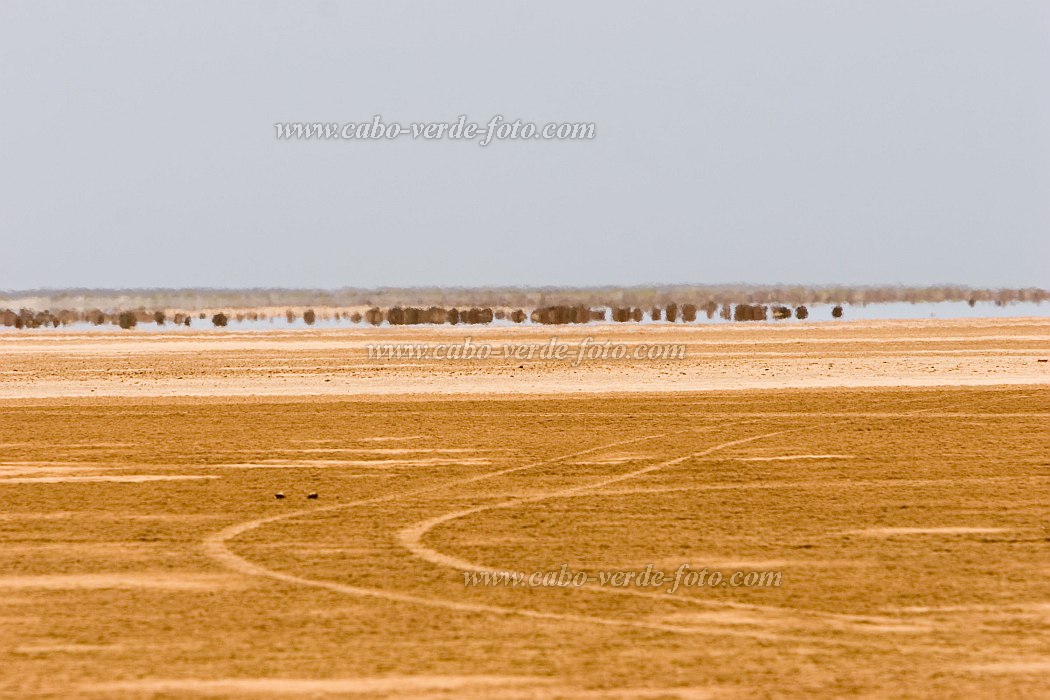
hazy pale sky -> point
(814, 142)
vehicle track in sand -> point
(411, 538)
(216, 547)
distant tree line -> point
(27, 318)
(545, 314)
(409, 315)
(644, 297)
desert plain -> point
(896, 474)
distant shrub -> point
(781, 312)
(688, 313)
(436, 315)
(749, 312)
(671, 312)
(289, 316)
(158, 318)
(220, 320)
(126, 319)
(309, 317)
(726, 312)
(476, 315)
(655, 313)
(801, 313)
(562, 314)
(549, 315)
(413, 316)
(837, 311)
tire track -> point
(217, 548)
(412, 539)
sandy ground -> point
(336, 362)
(900, 490)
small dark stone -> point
(278, 495)
(312, 495)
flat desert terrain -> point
(894, 475)
(983, 352)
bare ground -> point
(143, 554)
(982, 352)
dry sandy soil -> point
(49, 364)
(896, 474)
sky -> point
(891, 142)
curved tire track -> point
(216, 547)
(411, 538)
